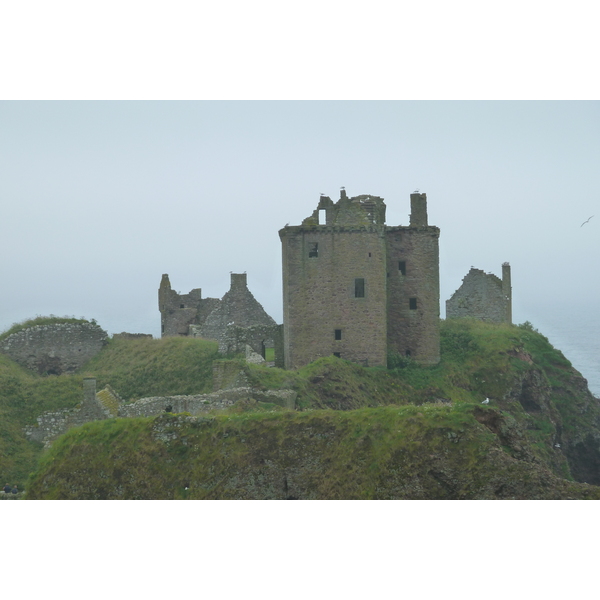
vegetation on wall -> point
(39, 320)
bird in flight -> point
(585, 222)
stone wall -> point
(234, 321)
(56, 348)
(179, 311)
(413, 292)
(131, 336)
(11, 496)
(482, 296)
(107, 404)
(240, 309)
(94, 407)
(258, 337)
(205, 403)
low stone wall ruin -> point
(205, 403)
(56, 348)
(106, 404)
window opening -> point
(314, 251)
(338, 334)
(182, 306)
(369, 255)
(322, 216)
(337, 355)
(412, 303)
(359, 288)
(407, 353)
(402, 267)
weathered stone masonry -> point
(56, 348)
(106, 404)
(357, 289)
(483, 296)
(236, 320)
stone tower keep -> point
(357, 289)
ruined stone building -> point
(236, 320)
(483, 296)
(55, 348)
(358, 289)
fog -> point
(99, 199)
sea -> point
(575, 331)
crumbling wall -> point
(238, 308)
(204, 403)
(228, 374)
(230, 383)
(210, 318)
(56, 348)
(179, 311)
(258, 337)
(482, 296)
(413, 286)
(94, 407)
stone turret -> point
(418, 210)
(507, 290)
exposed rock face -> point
(56, 348)
(540, 410)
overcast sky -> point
(99, 199)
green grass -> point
(478, 360)
(49, 320)
(149, 367)
(134, 368)
(430, 451)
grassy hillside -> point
(540, 427)
(389, 452)
(539, 413)
(135, 368)
(147, 367)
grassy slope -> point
(478, 360)
(135, 368)
(389, 452)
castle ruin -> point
(55, 348)
(356, 288)
(235, 321)
(483, 296)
